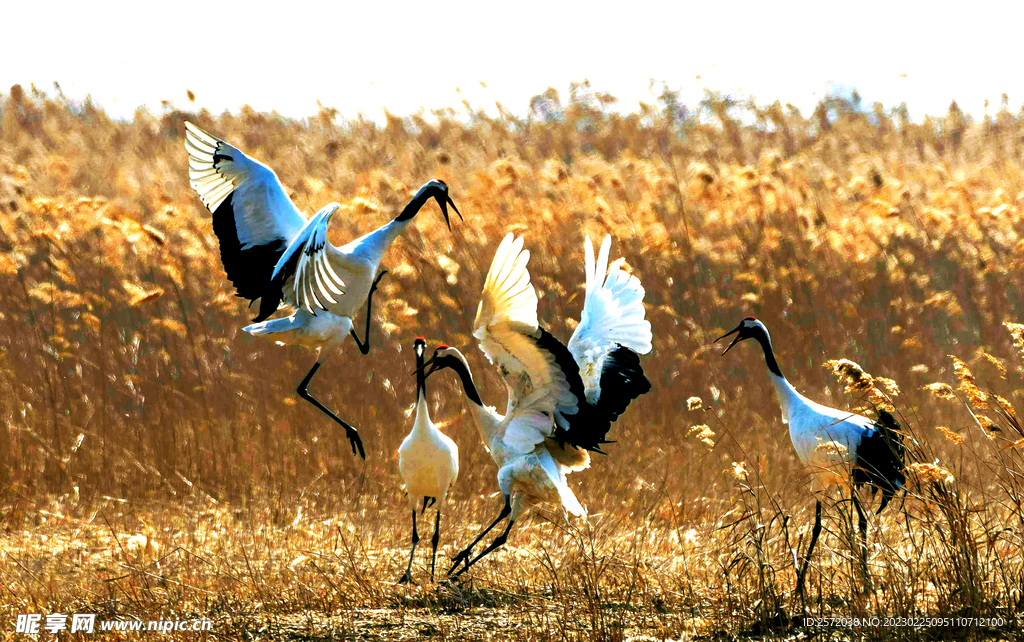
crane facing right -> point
(273, 254)
(830, 442)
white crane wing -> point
(613, 315)
(261, 208)
(507, 329)
(253, 218)
(526, 429)
(322, 275)
(508, 299)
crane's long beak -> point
(433, 367)
(444, 203)
(734, 341)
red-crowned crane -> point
(428, 461)
(833, 442)
(272, 253)
(561, 399)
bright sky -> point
(365, 56)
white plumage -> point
(836, 446)
(825, 439)
(217, 170)
(561, 400)
(271, 253)
(613, 314)
(428, 461)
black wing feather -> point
(248, 269)
(622, 381)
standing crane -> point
(832, 442)
(428, 461)
(561, 399)
(272, 253)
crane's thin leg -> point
(415, 540)
(464, 555)
(862, 526)
(350, 432)
(498, 541)
(428, 501)
(433, 542)
(814, 540)
(365, 347)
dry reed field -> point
(157, 464)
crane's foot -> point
(406, 579)
(350, 432)
(452, 578)
(357, 443)
(461, 558)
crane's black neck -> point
(414, 206)
(421, 379)
(466, 376)
(769, 354)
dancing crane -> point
(428, 461)
(561, 399)
(272, 253)
(831, 442)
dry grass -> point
(156, 463)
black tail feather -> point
(881, 459)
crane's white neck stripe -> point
(788, 395)
(422, 424)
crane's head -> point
(749, 328)
(438, 190)
(445, 357)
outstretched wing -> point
(612, 329)
(253, 218)
(508, 300)
(320, 274)
(507, 329)
(527, 427)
